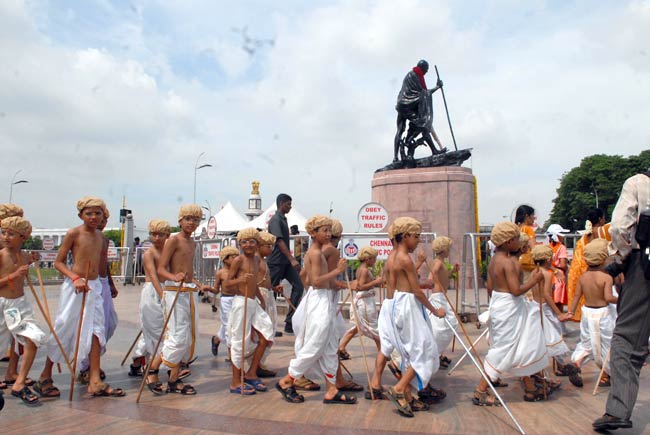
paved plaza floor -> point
(214, 410)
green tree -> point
(33, 244)
(115, 236)
(599, 176)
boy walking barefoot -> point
(16, 315)
(85, 242)
(176, 267)
(407, 327)
(517, 341)
(314, 322)
(244, 272)
(152, 318)
(228, 255)
(598, 319)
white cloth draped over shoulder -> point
(517, 343)
(315, 324)
(404, 324)
(67, 321)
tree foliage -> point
(115, 236)
(33, 244)
(598, 175)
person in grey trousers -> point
(630, 246)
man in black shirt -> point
(281, 263)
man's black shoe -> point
(288, 328)
(278, 334)
(609, 422)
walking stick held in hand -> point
(602, 370)
(358, 325)
(81, 319)
(446, 110)
(243, 347)
(162, 334)
(47, 308)
(49, 323)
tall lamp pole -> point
(11, 185)
(196, 169)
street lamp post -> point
(11, 185)
(209, 207)
(595, 194)
(196, 168)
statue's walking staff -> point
(446, 110)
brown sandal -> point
(483, 398)
(305, 384)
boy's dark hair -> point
(282, 198)
(398, 237)
(523, 211)
(594, 215)
(539, 262)
(293, 229)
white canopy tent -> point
(228, 220)
(294, 217)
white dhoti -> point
(317, 337)
(555, 345)
(152, 320)
(364, 301)
(409, 332)
(384, 327)
(517, 344)
(256, 318)
(110, 315)
(596, 328)
(441, 331)
(17, 321)
(226, 303)
(180, 336)
(67, 321)
(272, 311)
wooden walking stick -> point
(49, 324)
(344, 302)
(453, 341)
(602, 371)
(162, 334)
(243, 347)
(47, 307)
(541, 319)
(137, 337)
(358, 325)
(446, 109)
(81, 319)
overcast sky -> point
(116, 98)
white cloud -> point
(126, 107)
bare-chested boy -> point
(441, 331)
(17, 320)
(517, 342)
(10, 210)
(86, 243)
(228, 255)
(152, 317)
(598, 317)
(248, 318)
(109, 292)
(267, 241)
(176, 267)
(364, 300)
(407, 327)
(542, 297)
(314, 322)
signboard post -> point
(372, 217)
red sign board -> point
(48, 243)
(212, 227)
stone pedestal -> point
(442, 198)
